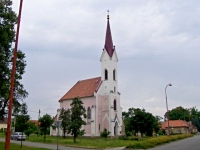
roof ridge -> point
(82, 88)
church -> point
(99, 95)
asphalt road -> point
(41, 145)
(192, 143)
(53, 147)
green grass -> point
(101, 143)
(155, 141)
(17, 147)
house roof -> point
(108, 40)
(55, 118)
(83, 88)
(175, 124)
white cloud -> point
(157, 42)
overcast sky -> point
(157, 42)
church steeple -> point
(108, 41)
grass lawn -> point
(17, 147)
(142, 143)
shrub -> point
(123, 137)
(134, 138)
(1, 130)
(105, 133)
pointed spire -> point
(108, 41)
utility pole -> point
(8, 132)
(38, 125)
(39, 114)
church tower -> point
(109, 76)
(109, 62)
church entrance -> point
(116, 129)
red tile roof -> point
(83, 88)
(175, 124)
(55, 118)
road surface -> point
(192, 143)
(41, 145)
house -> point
(99, 94)
(179, 126)
(3, 124)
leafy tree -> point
(195, 117)
(65, 117)
(137, 120)
(77, 112)
(45, 123)
(8, 20)
(179, 113)
(22, 118)
(157, 124)
(31, 128)
(188, 114)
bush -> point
(1, 130)
(134, 138)
(105, 133)
(123, 137)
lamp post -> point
(167, 107)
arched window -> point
(114, 74)
(115, 105)
(88, 113)
(106, 74)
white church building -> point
(99, 95)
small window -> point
(114, 89)
(106, 74)
(114, 74)
(89, 113)
(115, 105)
(99, 127)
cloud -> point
(157, 43)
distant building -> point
(179, 126)
(100, 95)
(3, 124)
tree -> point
(45, 123)
(8, 20)
(31, 128)
(65, 117)
(188, 114)
(179, 113)
(22, 119)
(137, 120)
(157, 124)
(195, 117)
(77, 112)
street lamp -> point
(167, 107)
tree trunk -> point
(74, 138)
